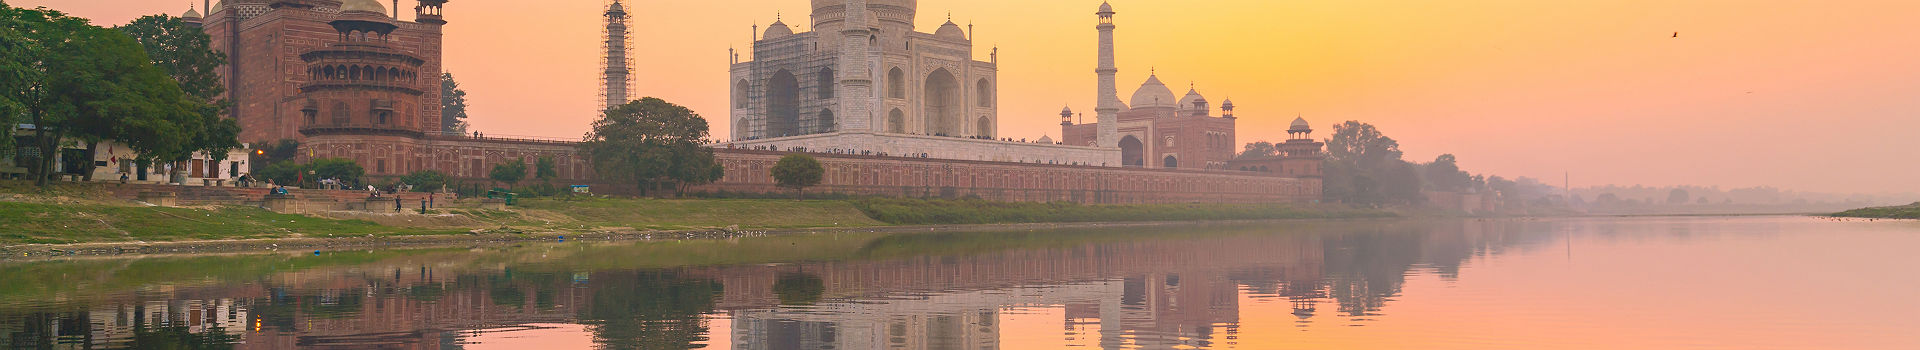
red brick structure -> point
(285, 61)
(459, 156)
(1300, 155)
(747, 171)
(1157, 131)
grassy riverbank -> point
(1910, 211)
(83, 223)
(86, 214)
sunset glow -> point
(1749, 93)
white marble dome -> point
(1192, 96)
(950, 31)
(373, 6)
(1153, 93)
(776, 30)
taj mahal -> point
(863, 81)
(884, 88)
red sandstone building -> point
(1158, 131)
(350, 80)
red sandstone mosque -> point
(349, 79)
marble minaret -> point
(856, 86)
(1107, 111)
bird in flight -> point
(1676, 34)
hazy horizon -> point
(1810, 97)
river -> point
(1573, 283)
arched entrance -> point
(943, 104)
(740, 90)
(1132, 152)
(896, 83)
(783, 105)
(743, 129)
(825, 83)
(983, 127)
(1170, 162)
(826, 121)
(897, 121)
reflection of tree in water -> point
(649, 309)
(1364, 270)
(798, 288)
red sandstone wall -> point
(747, 171)
(467, 158)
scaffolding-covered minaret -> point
(617, 66)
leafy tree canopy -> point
(453, 106)
(337, 168)
(544, 169)
(651, 143)
(798, 172)
(1258, 150)
(426, 180)
(510, 172)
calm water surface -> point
(1612, 283)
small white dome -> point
(191, 14)
(950, 31)
(1192, 96)
(1153, 94)
(776, 31)
(363, 6)
(1105, 7)
(1300, 123)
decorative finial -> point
(776, 16)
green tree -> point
(453, 106)
(281, 173)
(1444, 174)
(346, 170)
(267, 153)
(185, 53)
(14, 71)
(650, 143)
(798, 172)
(1258, 150)
(1363, 166)
(426, 180)
(1359, 143)
(545, 170)
(90, 84)
(510, 172)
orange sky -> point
(1806, 95)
